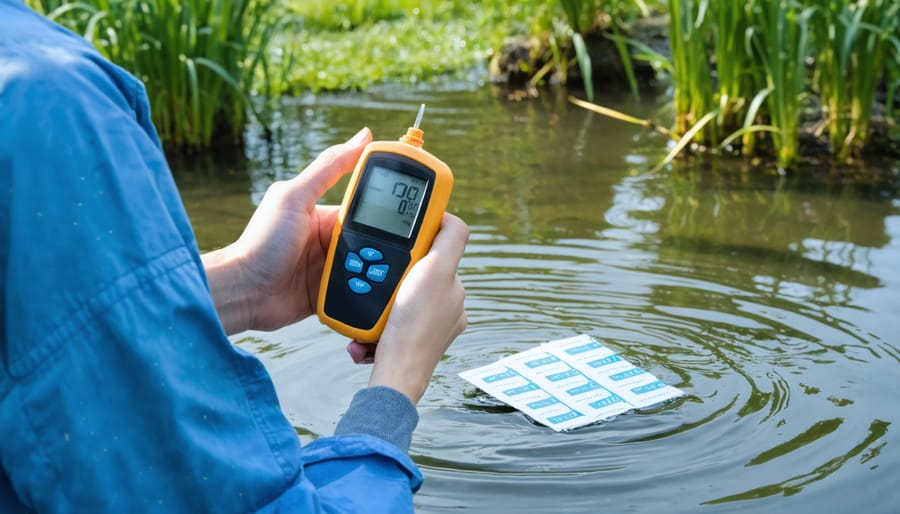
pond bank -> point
(524, 64)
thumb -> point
(330, 166)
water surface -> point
(771, 300)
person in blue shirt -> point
(119, 388)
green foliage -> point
(409, 50)
(353, 44)
(693, 91)
(199, 59)
(741, 69)
(349, 14)
(855, 40)
(781, 39)
(734, 68)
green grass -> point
(781, 38)
(407, 50)
(350, 44)
(854, 43)
(692, 77)
(735, 77)
(739, 69)
(200, 60)
(741, 72)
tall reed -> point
(199, 59)
(737, 64)
(854, 40)
(692, 76)
(736, 80)
(782, 40)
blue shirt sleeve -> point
(119, 390)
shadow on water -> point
(770, 300)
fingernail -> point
(358, 138)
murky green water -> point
(773, 303)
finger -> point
(331, 165)
(361, 353)
(450, 242)
(327, 218)
(461, 324)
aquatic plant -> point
(692, 77)
(736, 78)
(199, 59)
(854, 41)
(740, 69)
(781, 38)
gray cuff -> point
(381, 412)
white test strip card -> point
(635, 385)
(570, 385)
(510, 387)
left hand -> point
(270, 276)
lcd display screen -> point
(390, 201)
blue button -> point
(370, 254)
(359, 286)
(377, 272)
(353, 263)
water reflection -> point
(770, 300)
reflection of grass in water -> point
(305, 432)
(271, 350)
(819, 430)
(795, 484)
(818, 239)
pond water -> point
(773, 302)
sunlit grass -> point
(737, 80)
(781, 38)
(409, 50)
(347, 14)
(854, 43)
(741, 71)
(693, 84)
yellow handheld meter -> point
(391, 212)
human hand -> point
(270, 276)
(427, 315)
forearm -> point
(225, 276)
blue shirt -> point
(119, 390)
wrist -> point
(394, 374)
(228, 287)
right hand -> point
(427, 315)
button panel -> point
(365, 264)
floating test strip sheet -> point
(570, 383)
